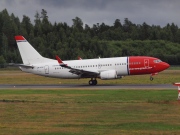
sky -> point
(153, 12)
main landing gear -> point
(92, 82)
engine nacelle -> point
(110, 74)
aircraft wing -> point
(20, 65)
(83, 72)
(76, 71)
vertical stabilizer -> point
(28, 54)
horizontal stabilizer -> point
(20, 65)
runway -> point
(101, 87)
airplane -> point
(103, 68)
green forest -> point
(122, 38)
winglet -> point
(59, 60)
(79, 58)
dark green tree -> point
(26, 24)
(77, 23)
(117, 24)
(2, 62)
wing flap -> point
(82, 71)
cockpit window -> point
(157, 61)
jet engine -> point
(110, 74)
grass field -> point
(19, 77)
(88, 112)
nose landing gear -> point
(151, 78)
(92, 82)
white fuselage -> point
(53, 69)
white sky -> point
(153, 12)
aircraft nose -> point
(165, 65)
(162, 66)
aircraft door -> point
(46, 68)
(146, 62)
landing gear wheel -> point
(92, 82)
(151, 78)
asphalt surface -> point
(75, 86)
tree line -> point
(100, 40)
